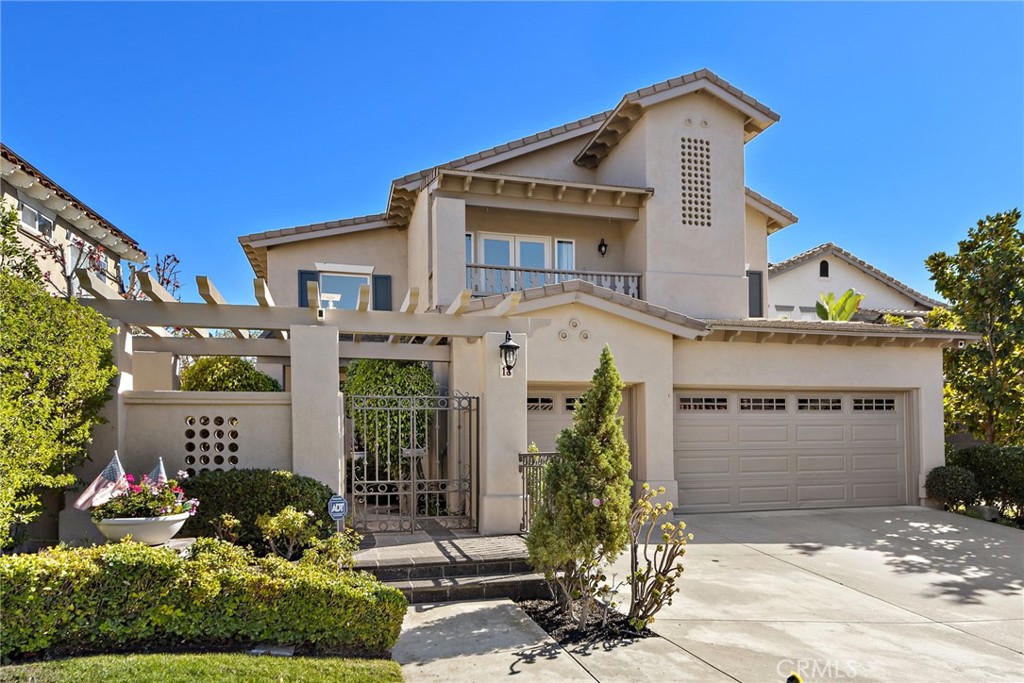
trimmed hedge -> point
(248, 493)
(226, 373)
(999, 471)
(952, 485)
(69, 601)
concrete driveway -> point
(882, 594)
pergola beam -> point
(212, 296)
(455, 308)
(409, 305)
(280, 348)
(281, 318)
(156, 292)
(103, 292)
(266, 300)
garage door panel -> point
(711, 497)
(761, 493)
(760, 464)
(758, 458)
(763, 434)
(821, 463)
(873, 433)
(873, 493)
(705, 465)
(877, 462)
(813, 434)
(704, 434)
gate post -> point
(316, 404)
(476, 369)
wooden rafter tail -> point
(409, 305)
(455, 308)
(212, 296)
(266, 300)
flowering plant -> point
(147, 499)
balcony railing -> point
(485, 280)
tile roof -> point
(311, 227)
(827, 326)
(831, 248)
(14, 158)
(759, 198)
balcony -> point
(486, 280)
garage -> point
(757, 450)
(549, 410)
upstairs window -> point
(35, 220)
(339, 285)
(823, 269)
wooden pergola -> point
(402, 335)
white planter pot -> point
(148, 530)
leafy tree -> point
(226, 373)
(984, 285)
(15, 258)
(586, 524)
(55, 372)
(842, 309)
(384, 433)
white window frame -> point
(514, 242)
(343, 269)
(23, 201)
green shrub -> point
(953, 485)
(999, 471)
(655, 564)
(245, 494)
(55, 372)
(226, 373)
(67, 601)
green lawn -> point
(182, 668)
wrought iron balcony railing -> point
(486, 280)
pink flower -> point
(129, 478)
(596, 502)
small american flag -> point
(110, 483)
(159, 474)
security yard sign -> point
(337, 508)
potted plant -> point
(151, 512)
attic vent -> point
(696, 169)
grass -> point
(184, 668)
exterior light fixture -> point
(509, 354)
(602, 247)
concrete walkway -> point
(882, 594)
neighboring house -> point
(798, 282)
(60, 229)
(634, 228)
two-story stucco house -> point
(634, 228)
(60, 229)
(796, 284)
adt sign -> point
(337, 508)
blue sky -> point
(189, 124)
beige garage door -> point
(549, 410)
(776, 450)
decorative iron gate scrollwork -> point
(411, 461)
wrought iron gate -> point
(411, 461)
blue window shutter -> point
(306, 276)
(382, 292)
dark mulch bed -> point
(615, 631)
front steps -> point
(435, 568)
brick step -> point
(512, 586)
(412, 570)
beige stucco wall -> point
(416, 241)
(447, 248)
(155, 427)
(383, 248)
(62, 234)
(586, 232)
(642, 355)
(554, 161)
(801, 286)
(153, 371)
(804, 366)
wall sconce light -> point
(602, 247)
(509, 354)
